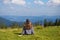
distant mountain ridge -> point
(32, 18)
(8, 20)
(5, 21)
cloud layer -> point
(38, 2)
(53, 2)
(17, 2)
(30, 7)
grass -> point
(48, 33)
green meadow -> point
(41, 33)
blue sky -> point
(30, 7)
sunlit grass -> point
(41, 33)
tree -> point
(3, 26)
(45, 22)
(14, 25)
(57, 22)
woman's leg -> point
(24, 31)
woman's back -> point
(28, 25)
(28, 28)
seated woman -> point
(28, 27)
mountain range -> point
(8, 20)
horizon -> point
(31, 15)
(35, 18)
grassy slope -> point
(49, 33)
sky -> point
(30, 7)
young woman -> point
(28, 27)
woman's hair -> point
(27, 21)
